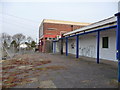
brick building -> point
(51, 29)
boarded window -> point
(105, 42)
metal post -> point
(61, 46)
(54, 47)
(77, 46)
(66, 46)
(98, 45)
(118, 43)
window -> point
(51, 29)
(105, 42)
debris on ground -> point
(23, 70)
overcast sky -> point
(18, 16)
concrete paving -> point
(76, 73)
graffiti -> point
(87, 51)
(72, 45)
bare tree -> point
(19, 38)
(29, 39)
(6, 38)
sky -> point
(25, 16)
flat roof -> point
(64, 22)
(94, 25)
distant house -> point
(23, 46)
(52, 29)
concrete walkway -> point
(69, 72)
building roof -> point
(103, 23)
(64, 22)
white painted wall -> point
(72, 46)
(119, 6)
(41, 30)
(64, 47)
(108, 53)
(58, 47)
(87, 45)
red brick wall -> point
(58, 28)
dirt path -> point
(42, 70)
